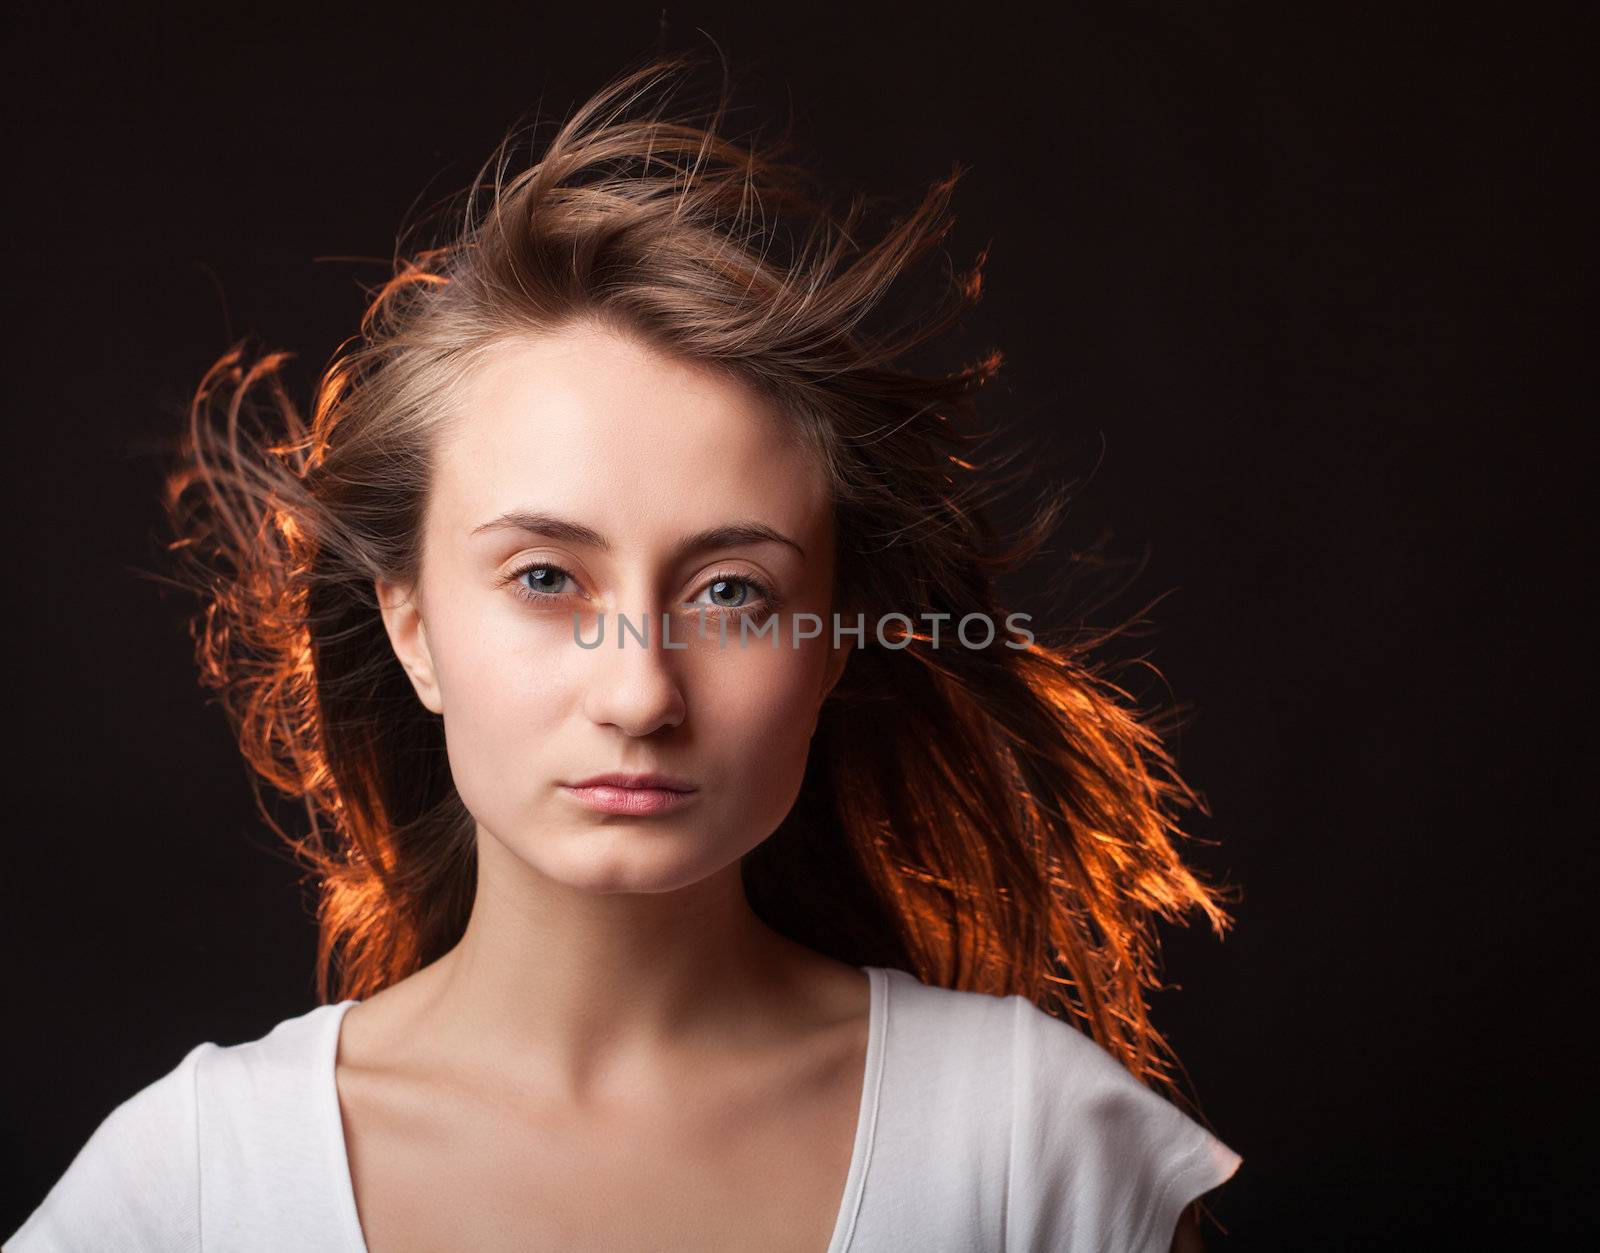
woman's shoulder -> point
(1091, 1156)
(285, 1061)
(136, 1181)
(1018, 1041)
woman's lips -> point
(636, 802)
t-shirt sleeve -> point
(135, 1183)
(1098, 1160)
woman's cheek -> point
(503, 684)
(760, 710)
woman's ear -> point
(402, 619)
(837, 657)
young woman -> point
(706, 860)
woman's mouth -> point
(637, 796)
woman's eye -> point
(733, 592)
(542, 580)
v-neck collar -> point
(844, 1226)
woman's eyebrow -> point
(553, 526)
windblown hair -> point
(996, 819)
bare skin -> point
(707, 1144)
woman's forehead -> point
(587, 423)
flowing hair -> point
(1000, 819)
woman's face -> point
(584, 478)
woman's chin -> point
(636, 857)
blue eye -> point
(548, 580)
(736, 594)
(733, 593)
(739, 589)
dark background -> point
(1290, 287)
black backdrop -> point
(1285, 285)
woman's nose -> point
(634, 685)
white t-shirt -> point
(985, 1124)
